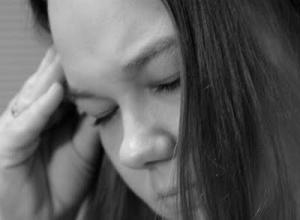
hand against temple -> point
(47, 151)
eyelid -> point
(105, 113)
(161, 82)
(166, 80)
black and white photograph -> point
(149, 109)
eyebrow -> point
(148, 53)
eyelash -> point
(163, 88)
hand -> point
(47, 150)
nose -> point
(147, 147)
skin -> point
(101, 39)
(91, 55)
(49, 179)
(37, 177)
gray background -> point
(22, 47)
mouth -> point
(172, 192)
(167, 194)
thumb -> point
(74, 164)
(86, 140)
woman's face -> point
(122, 62)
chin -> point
(167, 209)
(167, 215)
(171, 212)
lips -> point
(165, 189)
(171, 192)
(163, 180)
(165, 194)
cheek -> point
(166, 116)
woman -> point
(194, 103)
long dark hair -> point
(240, 98)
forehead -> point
(106, 29)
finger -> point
(7, 116)
(33, 120)
(48, 76)
(86, 141)
(12, 155)
(47, 60)
(19, 135)
(74, 161)
(84, 146)
(49, 56)
(39, 85)
(32, 80)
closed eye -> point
(105, 119)
(168, 87)
(158, 89)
